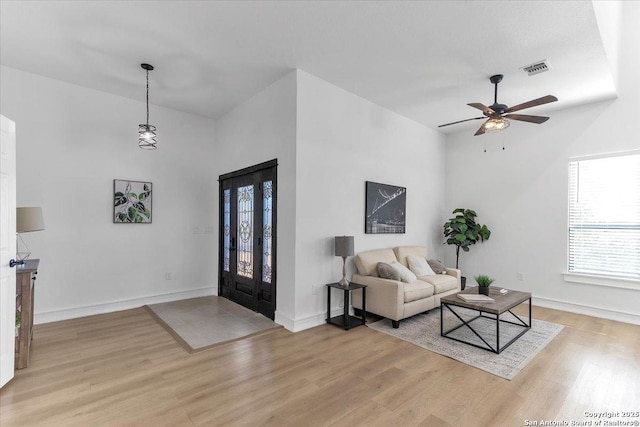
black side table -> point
(345, 321)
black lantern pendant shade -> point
(147, 132)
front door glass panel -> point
(245, 231)
(226, 229)
(267, 227)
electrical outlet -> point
(196, 230)
(314, 290)
(208, 229)
(167, 276)
(520, 276)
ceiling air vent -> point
(537, 68)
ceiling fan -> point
(497, 114)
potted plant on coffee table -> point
(484, 282)
(463, 231)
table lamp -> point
(28, 219)
(344, 249)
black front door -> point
(248, 237)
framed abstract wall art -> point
(385, 209)
(132, 201)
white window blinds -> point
(604, 216)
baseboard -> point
(313, 320)
(72, 313)
(604, 313)
(301, 324)
(285, 321)
(297, 325)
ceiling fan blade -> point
(544, 100)
(461, 121)
(482, 107)
(526, 118)
(481, 130)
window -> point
(604, 217)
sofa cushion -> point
(406, 275)
(441, 282)
(417, 290)
(419, 266)
(387, 271)
(437, 266)
(367, 262)
(402, 252)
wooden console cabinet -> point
(25, 289)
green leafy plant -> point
(130, 206)
(463, 231)
(484, 281)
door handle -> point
(13, 262)
(233, 244)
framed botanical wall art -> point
(385, 209)
(131, 201)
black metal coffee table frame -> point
(497, 319)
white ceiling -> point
(424, 60)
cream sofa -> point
(398, 300)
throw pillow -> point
(387, 271)
(405, 274)
(419, 266)
(437, 266)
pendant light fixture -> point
(147, 132)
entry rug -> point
(201, 323)
(424, 330)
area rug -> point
(201, 323)
(424, 330)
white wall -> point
(521, 193)
(71, 143)
(328, 142)
(344, 140)
(261, 129)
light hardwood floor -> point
(123, 369)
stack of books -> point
(475, 298)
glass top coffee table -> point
(502, 303)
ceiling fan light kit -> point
(146, 132)
(497, 114)
(495, 125)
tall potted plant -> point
(463, 231)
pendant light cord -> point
(147, 97)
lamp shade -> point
(29, 219)
(344, 245)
